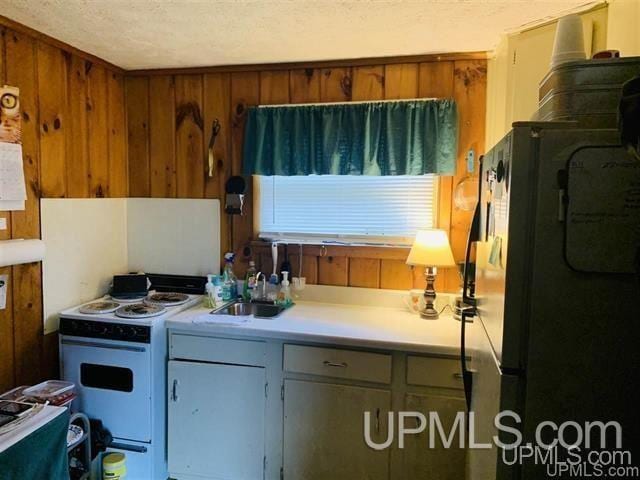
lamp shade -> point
(431, 249)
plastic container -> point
(56, 392)
(284, 296)
(230, 281)
(15, 394)
(568, 45)
(114, 466)
(589, 73)
(209, 298)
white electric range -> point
(116, 356)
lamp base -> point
(429, 312)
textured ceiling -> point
(137, 34)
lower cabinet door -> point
(324, 432)
(216, 420)
(423, 460)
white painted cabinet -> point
(433, 461)
(216, 420)
(265, 409)
(323, 431)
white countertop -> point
(354, 325)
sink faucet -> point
(264, 284)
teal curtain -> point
(412, 137)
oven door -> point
(113, 380)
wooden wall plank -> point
(21, 72)
(217, 106)
(98, 131)
(436, 80)
(52, 97)
(333, 271)
(190, 168)
(470, 89)
(364, 272)
(27, 323)
(368, 83)
(245, 91)
(137, 100)
(274, 87)
(401, 81)
(305, 85)
(117, 128)
(335, 84)
(162, 135)
(395, 274)
(78, 147)
(7, 376)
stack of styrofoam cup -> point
(569, 41)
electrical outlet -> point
(3, 291)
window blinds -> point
(388, 209)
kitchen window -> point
(345, 208)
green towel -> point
(42, 455)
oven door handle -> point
(127, 447)
(128, 348)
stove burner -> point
(139, 310)
(168, 299)
(96, 308)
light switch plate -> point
(3, 223)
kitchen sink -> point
(258, 310)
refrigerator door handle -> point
(467, 375)
(474, 236)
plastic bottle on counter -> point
(249, 282)
(209, 289)
(218, 290)
(229, 279)
(284, 295)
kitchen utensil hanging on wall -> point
(465, 195)
(215, 129)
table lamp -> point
(430, 249)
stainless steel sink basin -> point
(258, 310)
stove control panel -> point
(106, 330)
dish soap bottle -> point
(284, 295)
(249, 282)
(209, 297)
(230, 282)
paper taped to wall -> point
(12, 186)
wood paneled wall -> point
(170, 116)
(93, 130)
(73, 138)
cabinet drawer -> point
(434, 372)
(217, 350)
(333, 362)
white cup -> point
(414, 301)
(569, 42)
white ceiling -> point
(137, 34)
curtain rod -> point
(349, 103)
